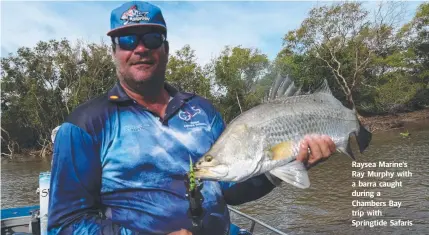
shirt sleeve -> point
(246, 191)
(74, 201)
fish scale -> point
(289, 127)
(265, 139)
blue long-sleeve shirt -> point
(119, 169)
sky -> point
(206, 26)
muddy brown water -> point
(326, 207)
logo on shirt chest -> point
(190, 116)
(186, 115)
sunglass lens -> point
(128, 42)
(152, 40)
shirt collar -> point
(118, 94)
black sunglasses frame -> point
(140, 38)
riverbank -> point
(393, 121)
(27, 155)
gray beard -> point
(148, 88)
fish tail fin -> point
(363, 137)
(294, 173)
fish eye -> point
(208, 158)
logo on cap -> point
(134, 15)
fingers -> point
(331, 143)
(315, 149)
(181, 232)
(321, 148)
(303, 151)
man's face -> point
(139, 65)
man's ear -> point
(166, 47)
(113, 49)
(113, 55)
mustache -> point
(145, 53)
(144, 57)
(146, 60)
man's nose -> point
(141, 49)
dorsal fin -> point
(272, 93)
(282, 87)
(323, 88)
(286, 85)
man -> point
(120, 159)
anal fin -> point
(294, 173)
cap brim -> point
(134, 28)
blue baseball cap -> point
(135, 14)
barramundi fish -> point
(266, 138)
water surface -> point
(324, 208)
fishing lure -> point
(195, 198)
(191, 176)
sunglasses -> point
(130, 42)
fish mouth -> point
(216, 172)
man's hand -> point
(181, 232)
(321, 148)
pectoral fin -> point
(282, 150)
(293, 173)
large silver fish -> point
(266, 138)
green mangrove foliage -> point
(370, 60)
